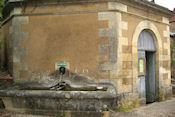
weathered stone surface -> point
(126, 49)
(127, 65)
(117, 6)
(57, 100)
(17, 49)
(104, 49)
(127, 100)
(127, 81)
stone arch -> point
(146, 25)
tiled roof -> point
(172, 18)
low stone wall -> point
(38, 102)
(60, 114)
(127, 100)
(164, 94)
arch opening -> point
(146, 80)
(152, 29)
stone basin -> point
(51, 101)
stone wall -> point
(172, 29)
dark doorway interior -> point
(150, 77)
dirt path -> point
(157, 109)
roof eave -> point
(12, 3)
(156, 7)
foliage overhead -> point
(1, 6)
(172, 46)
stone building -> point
(172, 37)
(122, 43)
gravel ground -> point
(157, 109)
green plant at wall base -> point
(0, 43)
(172, 46)
(60, 116)
(1, 6)
(123, 109)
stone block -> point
(103, 16)
(104, 49)
(166, 45)
(16, 57)
(127, 81)
(20, 20)
(23, 51)
(165, 33)
(16, 11)
(113, 74)
(127, 65)
(23, 74)
(23, 66)
(126, 49)
(117, 6)
(165, 76)
(165, 51)
(86, 114)
(124, 25)
(165, 57)
(165, 20)
(107, 66)
(124, 73)
(165, 64)
(106, 33)
(106, 114)
(24, 36)
(124, 40)
(126, 57)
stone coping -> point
(57, 94)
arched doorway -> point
(146, 67)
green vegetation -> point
(172, 52)
(0, 43)
(123, 109)
(1, 6)
(60, 116)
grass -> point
(60, 116)
(123, 109)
